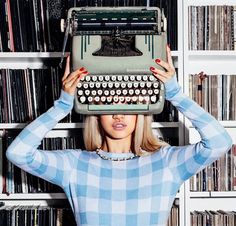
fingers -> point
(169, 57)
(67, 69)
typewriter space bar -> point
(118, 107)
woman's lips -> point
(119, 125)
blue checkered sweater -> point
(136, 192)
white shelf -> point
(209, 2)
(33, 196)
(213, 194)
(80, 125)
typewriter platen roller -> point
(117, 46)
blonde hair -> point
(143, 140)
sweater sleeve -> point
(53, 166)
(215, 141)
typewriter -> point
(117, 45)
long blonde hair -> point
(143, 139)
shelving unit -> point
(187, 62)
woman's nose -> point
(117, 116)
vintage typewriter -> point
(117, 45)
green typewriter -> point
(117, 45)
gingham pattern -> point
(136, 192)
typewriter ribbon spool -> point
(117, 45)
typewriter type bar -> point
(117, 45)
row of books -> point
(213, 218)
(16, 180)
(215, 93)
(219, 176)
(32, 26)
(27, 93)
(174, 215)
(212, 27)
(36, 216)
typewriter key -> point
(94, 92)
(107, 78)
(150, 92)
(156, 91)
(148, 84)
(109, 99)
(117, 84)
(104, 85)
(123, 85)
(103, 98)
(153, 99)
(100, 78)
(142, 84)
(98, 85)
(82, 99)
(91, 85)
(115, 99)
(119, 78)
(135, 84)
(112, 92)
(99, 92)
(134, 99)
(87, 78)
(87, 92)
(85, 85)
(145, 78)
(139, 78)
(94, 78)
(106, 92)
(140, 99)
(137, 92)
(132, 77)
(110, 85)
(131, 91)
(127, 99)
(124, 91)
(80, 92)
(90, 99)
(113, 78)
(126, 78)
(118, 91)
(155, 85)
(146, 99)
(144, 91)
(79, 85)
(129, 85)
(97, 99)
(151, 78)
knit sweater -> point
(135, 192)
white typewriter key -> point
(104, 85)
(147, 99)
(80, 92)
(140, 99)
(117, 84)
(109, 99)
(113, 78)
(156, 91)
(131, 91)
(119, 77)
(155, 85)
(100, 92)
(107, 78)
(115, 99)
(151, 78)
(134, 99)
(137, 91)
(96, 99)
(127, 99)
(94, 92)
(94, 78)
(132, 77)
(82, 99)
(112, 92)
(85, 85)
(135, 84)
(87, 92)
(122, 99)
(110, 84)
(148, 84)
(79, 85)
(142, 84)
(118, 91)
(103, 99)
(145, 78)
(153, 99)
(106, 92)
(139, 77)
(90, 99)
(124, 91)
(98, 85)
(100, 78)
(82, 79)
(91, 85)
(123, 85)
(150, 92)
(130, 85)
(126, 78)
(144, 91)
(87, 78)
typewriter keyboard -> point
(116, 89)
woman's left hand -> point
(164, 76)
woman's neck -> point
(117, 145)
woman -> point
(137, 190)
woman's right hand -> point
(70, 80)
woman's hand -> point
(164, 76)
(70, 80)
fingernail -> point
(81, 69)
(152, 68)
(158, 60)
(85, 72)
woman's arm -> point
(54, 166)
(215, 141)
